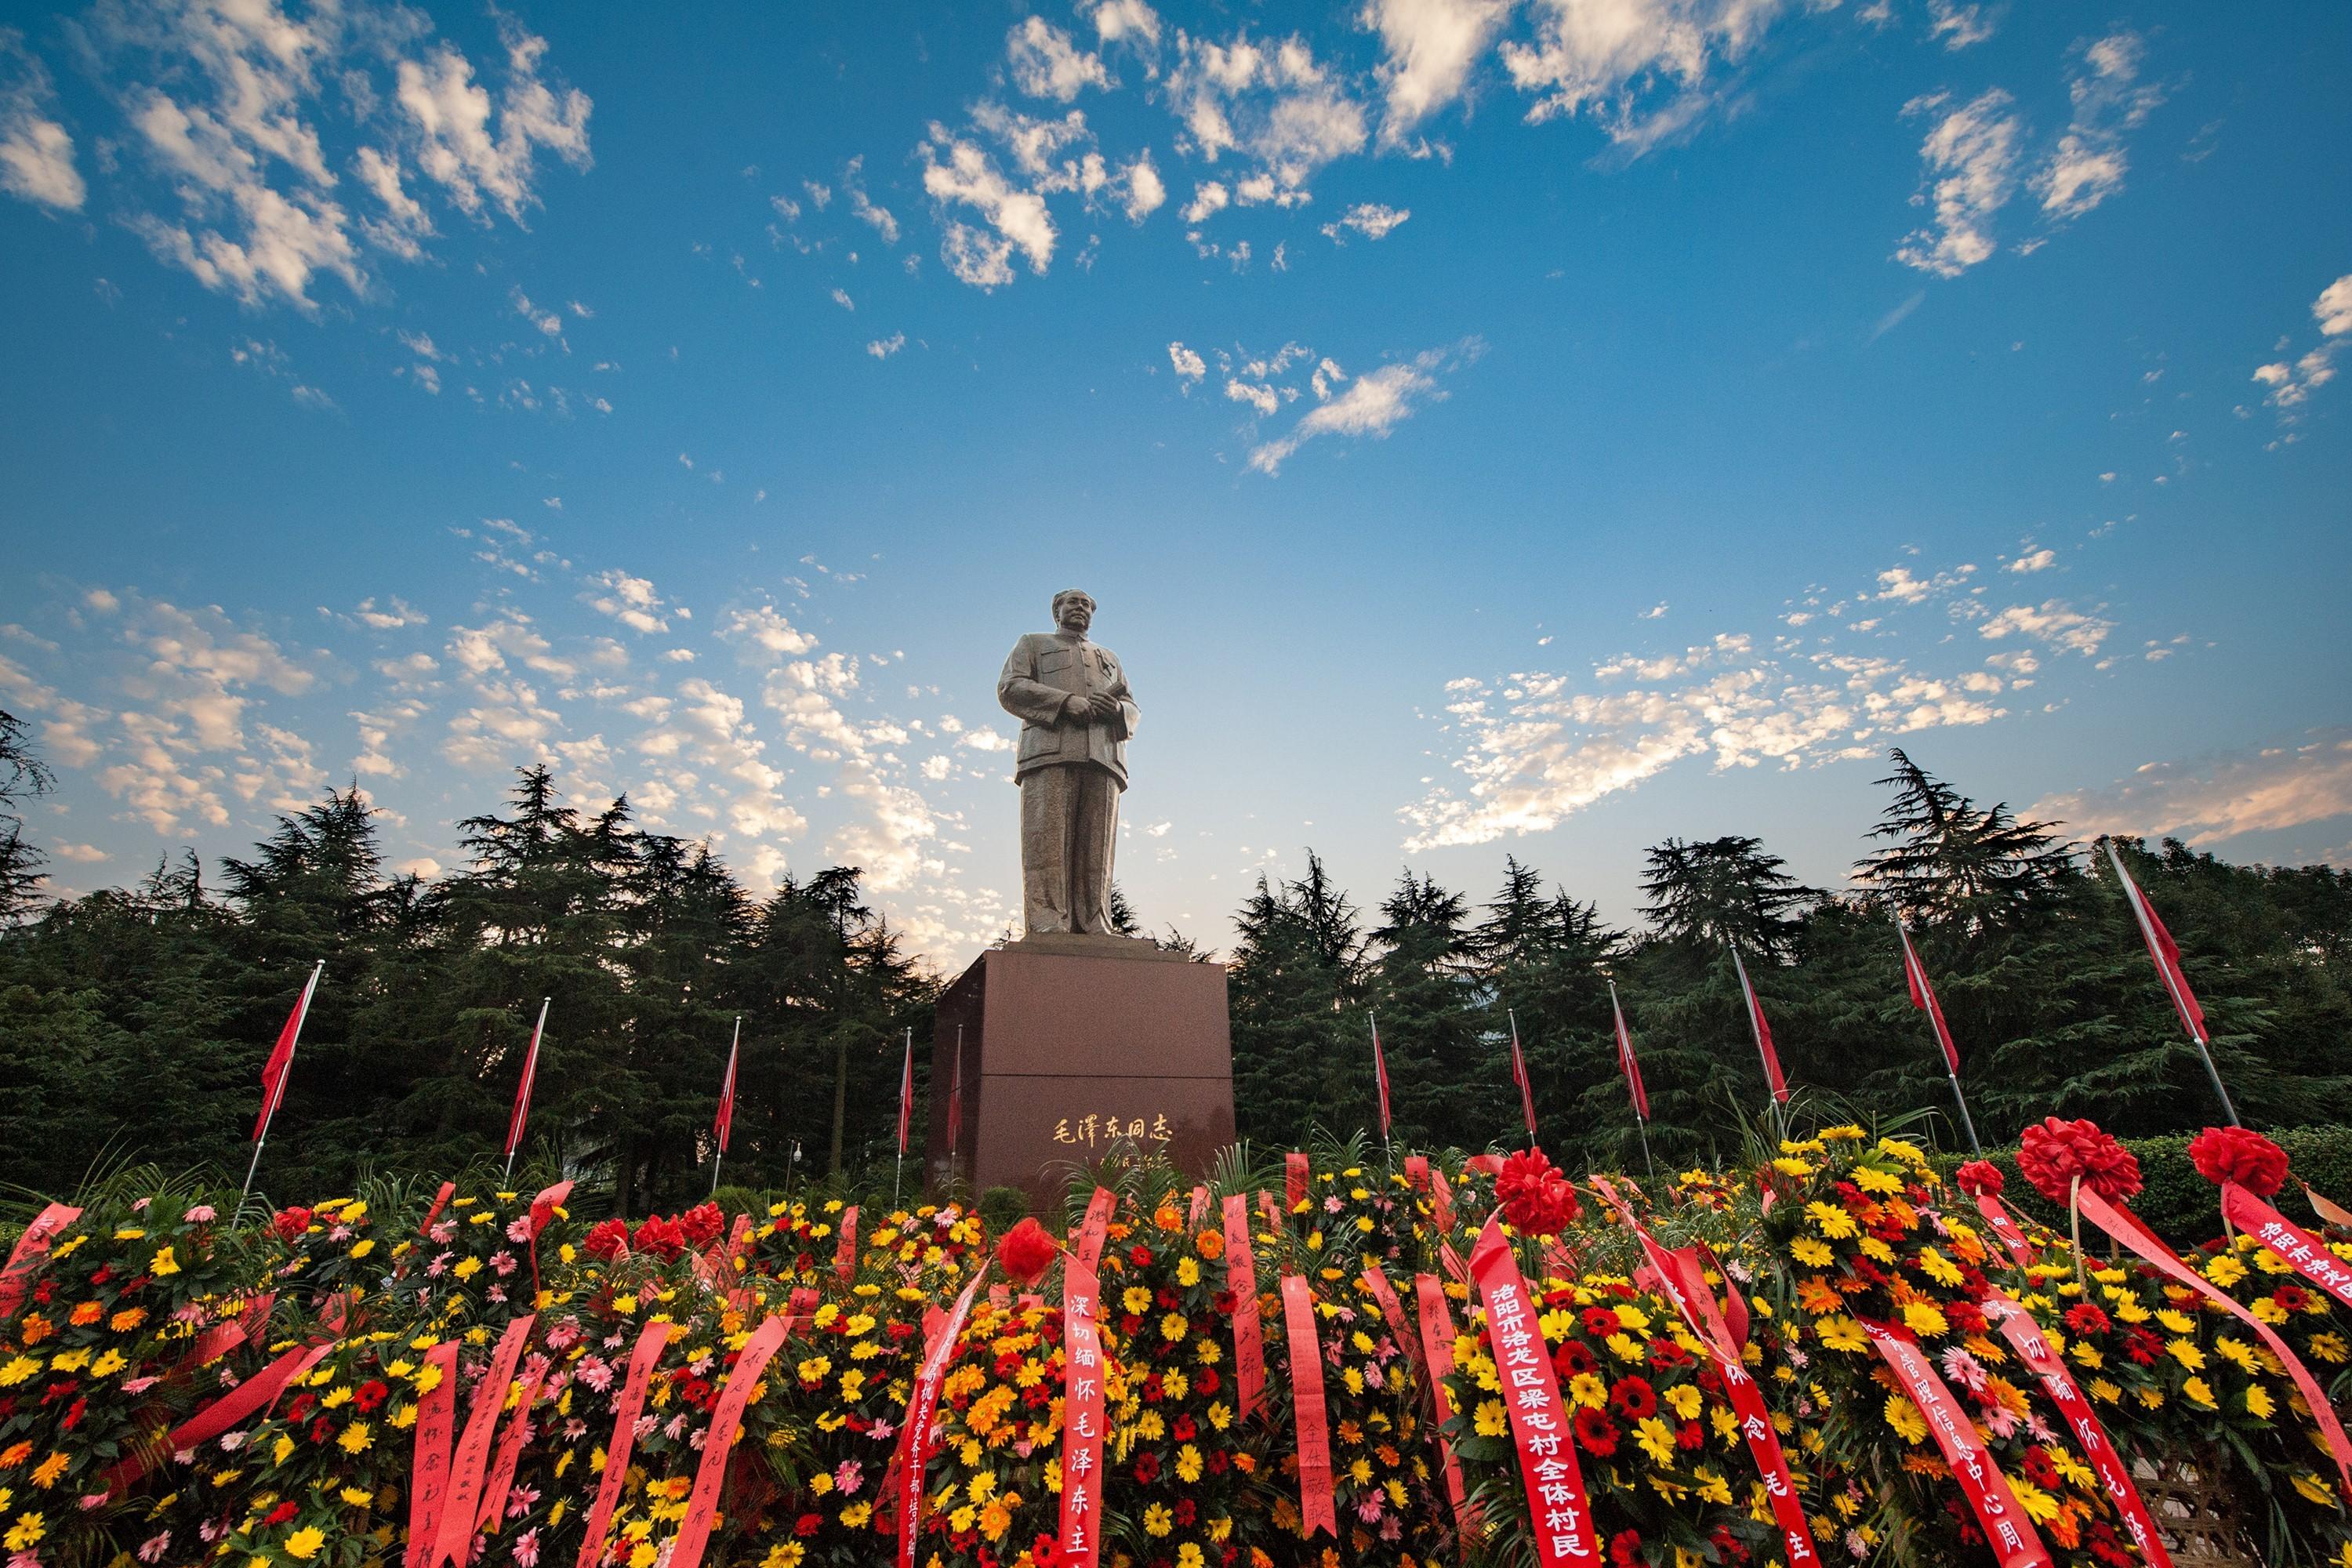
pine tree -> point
(22, 775)
(1424, 986)
(1951, 862)
(1296, 966)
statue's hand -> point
(1075, 709)
(1104, 708)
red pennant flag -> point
(1520, 1077)
(725, 1122)
(1923, 996)
(522, 1090)
(2165, 951)
(907, 1094)
(1625, 1060)
(1380, 1076)
(281, 1056)
(1763, 1033)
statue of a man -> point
(1076, 715)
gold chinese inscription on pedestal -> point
(1090, 1130)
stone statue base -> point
(1066, 1036)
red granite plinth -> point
(1066, 1037)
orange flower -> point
(1815, 1296)
(129, 1318)
(15, 1454)
(35, 1328)
(1210, 1244)
(87, 1313)
(1166, 1217)
(47, 1472)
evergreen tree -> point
(1296, 967)
(22, 775)
(1950, 862)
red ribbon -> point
(472, 1454)
(1241, 1284)
(2014, 1539)
(1441, 1202)
(1082, 1422)
(2329, 1212)
(256, 1392)
(1315, 1500)
(1416, 1172)
(1392, 1313)
(542, 1209)
(702, 1503)
(1200, 1207)
(211, 1345)
(845, 1257)
(923, 1417)
(2032, 1347)
(2295, 1246)
(2006, 1228)
(2127, 1228)
(437, 1414)
(1560, 1517)
(502, 1471)
(1486, 1164)
(651, 1341)
(1096, 1227)
(1268, 1212)
(24, 1259)
(440, 1200)
(1683, 1279)
(1294, 1178)
(1437, 1356)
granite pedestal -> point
(1071, 1046)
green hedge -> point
(2183, 1207)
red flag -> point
(1763, 1033)
(2166, 952)
(907, 1094)
(1520, 1077)
(522, 1090)
(281, 1054)
(1380, 1074)
(724, 1122)
(1625, 1060)
(955, 1094)
(1923, 996)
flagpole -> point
(1379, 1082)
(906, 1093)
(1630, 1071)
(2138, 902)
(726, 1100)
(529, 1077)
(1755, 1011)
(277, 1090)
(1915, 975)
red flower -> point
(1633, 1398)
(2087, 1319)
(1026, 1252)
(2054, 1153)
(1595, 1433)
(281, 1514)
(1625, 1548)
(2237, 1155)
(2290, 1297)
(661, 1237)
(1980, 1178)
(702, 1225)
(607, 1239)
(808, 1524)
(1600, 1322)
(1573, 1359)
(290, 1223)
(1535, 1199)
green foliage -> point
(1002, 1208)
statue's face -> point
(1073, 612)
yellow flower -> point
(304, 1543)
(1158, 1521)
(2198, 1394)
(1490, 1419)
(358, 1497)
(365, 1246)
(164, 1263)
(26, 1532)
(1842, 1333)
(20, 1369)
(1939, 1267)
(2310, 1487)
(1905, 1417)
(2175, 1322)
(2038, 1505)
(783, 1555)
(1810, 1253)
(1189, 1556)
(855, 1515)
(2224, 1270)
(1923, 1319)
(2105, 1391)
(1188, 1464)
(1830, 1220)
(2185, 1353)
(1871, 1180)
(356, 1437)
(1657, 1439)
(47, 1472)
(2259, 1404)
(1138, 1300)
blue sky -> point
(1488, 428)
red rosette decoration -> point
(606, 1239)
(702, 1225)
(2054, 1153)
(1026, 1252)
(660, 1236)
(2238, 1154)
(1535, 1199)
(1980, 1178)
(290, 1223)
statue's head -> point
(1073, 609)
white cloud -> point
(1208, 196)
(1970, 161)
(2054, 623)
(2219, 797)
(1370, 219)
(1264, 399)
(1640, 67)
(1045, 64)
(2292, 381)
(1118, 20)
(631, 600)
(397, 613)
(1145, 189)
(1190, 366)
(763, 635)
(2090, 162)
(81, 854)
(883, 348)
(960, 172)
(862, 208)
(1375, 403)
(1428, 47)
(37, 152)
(1271, 103)
(452, 120)
(1957, 25)
(2034, 560)
(841, 298)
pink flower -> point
(850, 1477)
(596, 1375)
(202, 1213)
(139, 1385)
(526, 1548)
(520, 1231)
(151, 1550)
(1962, 1368)
(518, 1506)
